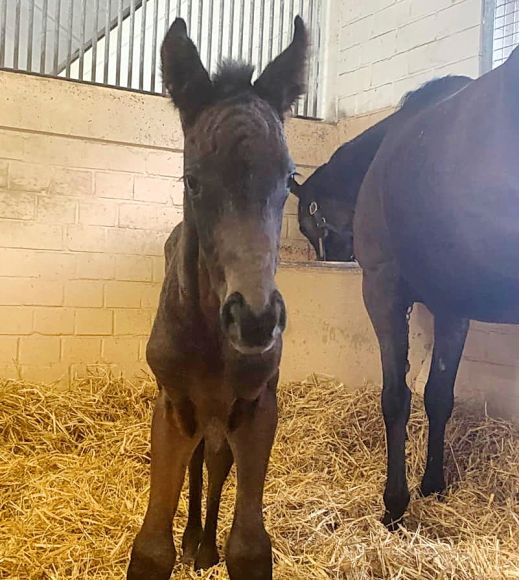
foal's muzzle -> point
(252, 332)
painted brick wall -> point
(89, 190)
(388, 47)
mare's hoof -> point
(207, 557)
(432, 486)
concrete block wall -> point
(89, 190)
(388, 47)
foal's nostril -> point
(231, 310)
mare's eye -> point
(192, 184)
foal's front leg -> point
(253, 425)
(173, 440)
(387, 305)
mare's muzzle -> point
(249, 331)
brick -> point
(10, 371)
(132, 322)
(17, 205)
(84, 293)
(96, 321)
(168, 163)
(158, 268)
(294, 232)
(39, 350)
(8, 349)
(15, 320)
(295, 251)
(73, 182)
(114, 185)
(143, 343)
(120, 350)
(45, 373)
(81, 349)
(140, 216)
(4, 170)
(12, 145)
(292, 203)
(150, 296)
(416, 33)
(86, 238)
(458, 17)
(53, 321)
(98, 213)
(30, 263)
(29, 177)
(156, 189)
(128, 241)
(30, 292)
(123, 294)
(379, 48)
(95, 266)
(457, 47)
(388, 71)
(55, 210)
(15, 234)
(134, 268)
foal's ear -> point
(295, 187)
(184, 75)
(283, 81)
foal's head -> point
(236, 173)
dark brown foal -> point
(215, 346)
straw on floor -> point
(74, 482)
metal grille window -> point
(501, 31)
(117, 42)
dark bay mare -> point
(437, 222)
(328, 197)
(215, 346)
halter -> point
(323, 228)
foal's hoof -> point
(431, 486)
(190, 543)
(151, 561)
(392, 523)
(207, 557)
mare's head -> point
(236, 174)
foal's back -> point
(442, 201)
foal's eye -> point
(192, 184)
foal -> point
(215, 346)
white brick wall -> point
(388, 47)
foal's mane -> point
(430, 92)
(232, 78)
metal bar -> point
(261, 27)
(281, 25)
(179, 9)
(56, 40)
(210, 36)
(318, 56)
(241, 31)
(487, 36)
(251, 29)
(189, 15)
(16, 54)
(143, 43)
(30, 35)
(199, 24)
(167, 12)
(82, 43)
(231, 28)
(130, 43)
(220, 30)
(119, 43)
(311, 62)
(69, 45)
(154, 45)
(95, 24)
(271, 29)
(3, 36)
(107, 40)
(43, 45)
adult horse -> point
(215, 346)
(328, 197)
(437, 221)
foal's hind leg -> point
(449, 338)
(193, 531)
(173, 439)
(218, 466)
(387, 305)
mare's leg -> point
(252, 428)
(173, 440)
(193, 531)
(387, 305)
(449, 339)
(218, 466)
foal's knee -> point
(396, 403)
(248, 554)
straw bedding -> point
(74, 481)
